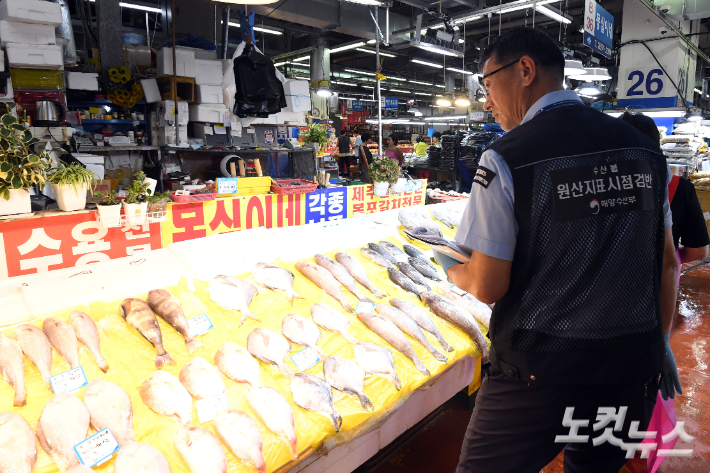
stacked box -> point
(27, 32)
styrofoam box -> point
(209, 94)
(208, 72)
(210, 113)
(185, 62)
(17, 32)
(34, 56)
(82, 81)
(31, 11)
(298, 97)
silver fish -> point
(408, 326)
(322, 278)
(382, 251)
(138, 457)
(425, 268)
(443, 216)
(110, 408)
(391, 247)
(403, 281)
(12, 368)
(375, 257)
(422, 319)
(35, 345)
(88, 333)
(409, 271)
(478, 309)
(270, 347)
(201, 450)
(18, 445)
(201, 379)
(275, 278)
(241, 435)
(413, 217)
(233, 294)
(414, 252)
(341, 274)
(276, 413)
(63, 423)
(302, 331)
(347, 376)
(313, 393)
(164, 394)
(237, 364)
(358, 273)
(139, 316)
(459, 317)
(330, 319)
(62, 337)
(377, 360)
(169, 308)
(394, 336)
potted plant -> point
(316, 135)
(135, 205)
(383, 172)
(109, 209)
(157, 206)
(20, 166)
(70, 184)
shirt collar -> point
(549, 99)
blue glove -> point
(445, 261)
(670, 383)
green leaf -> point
(7, 132)
(18, 127)
(33, 158)
(33, 141)
(8, 119)
(17, 182)
(6, 194)
(27, 135)
(59, 151)
(5, 167)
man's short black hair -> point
(342, 132)
(521, 41)
(436, 135)
(644, 124)
(366, 136)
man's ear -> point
(527, 69)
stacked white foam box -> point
(185, 62)
(27, 32)
(209, 105)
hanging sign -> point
(389, 102)
(598, 28)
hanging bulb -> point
(461, 99)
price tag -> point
(69, 381)
(251, 130)
(227, 119)
(209, 407)
(226, 185)
(364, 307)
(208, 130)
(458, 291)
(97, 449)
(305, 358)
(200, 325)
(220, 129)
(401, 258)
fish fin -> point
(378, 294)
(285, 370)
(438, 355)
(445, 345)
(293, 445)
(396, 381)
(293, 295)
(346, 305)
(192, 345)
(336, 420)
(420, 366)
(242, 318)
(164, 359)
(365, 402)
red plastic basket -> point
(181, 199)
(284, 187)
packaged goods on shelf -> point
(31, 11)
(17, 32)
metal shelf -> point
(238, 151)
(118, 148)
(125, 122)
(92, 103)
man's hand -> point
(445, 261)
(670, 383)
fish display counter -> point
(291, 354)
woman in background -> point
(420, 147)
(393, 150)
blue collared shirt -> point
(488, 224)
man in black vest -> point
(570, 229)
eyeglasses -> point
(483, 87)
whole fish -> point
(375, 257)
(237, 364)
(390, 333)
(201, 379)
(409, 271)
(391, 247)
(322, 278)
(414, 252)
(422, 319)
(18, 446)
(233, 294)
(459, 317)
(169, 308)
(164, 394)
(63, 423)
(347, 376)
(478, 309)
(275, 412)
(12, 368)
(138, 314)
(88, 333)
(241, 435)
(62, 337)
(201, 450)
(403, 281)
(408, 326)
(330, 319)
(270, 347)
(425, 268)
(443, 216)
(302, 331)
(413, 217)
(35, 345)
(138, 457)
(377, 360)
(358, 273)
(276, 278)
(312, 393)
(341, 274)
(110, 407)
(382, 251)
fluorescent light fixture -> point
(366, 2)
(344, 83)
(547, 11)
(588, 89)
(257, 28)
(446, 117)
(281, 63)
(439, 86)
(364, 73)
(422, 93)
(453, 69)
(347, 46)
(425, 63)
(695, 118)
(367, 87)
(400, 91)
(302, 58)
(460, 21)
(401, 79)
(139, 7)
(435, 49)
(369, 51)
(420, 83)
(593, 73)
(461, 41)
(574, 67)
(698, 91)
(372, 41)
(523, 6)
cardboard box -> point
(82, 81)
(35, 56)
(16, 32)
(185, 62)
(208, 72)
(31, 11)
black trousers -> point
(344, 163)
(514, 425)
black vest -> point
(583, 305)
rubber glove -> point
(445, 261)
(670, 383)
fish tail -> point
(294, 295)
(365, 402)
(20, 398)
(377, 293)
(285, 370)
(293, 445)
(163, 359)
(345, 304)
(438, 355)
(396, 381)
(319, 352)
(420, 366)
(103, 364)
(444, 344)
(192, 344)
(364, 299)
(336, 420)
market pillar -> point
(108, 14)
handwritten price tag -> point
(69, 381)
(200, 325)
(458, 291)
(209, 407)
(97, 449)
(305, 358)
(364, 307)
(226, 185)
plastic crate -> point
(181, 199)
(282, 187)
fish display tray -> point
(181, 199)
(282, 187)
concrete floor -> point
(434, 445)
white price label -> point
(305, 358)
(401, 258)
(226, 185)
(97, 449)
(208, 130)
(458, 291)
(209, 407)
(251, 130)
(200, 325)
(226, 119)
(220, 129)
(364, 307)
(69, 381)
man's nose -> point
(488, 104)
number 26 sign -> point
(646, 83)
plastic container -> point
(109, 215)
(35, 56)
(285, 187)
(209, 94)
(69, 198)
(82, 81)
(208, 72)
(19, 203)
(135, 213)
(31, 11)
(17, 32)
(181, 199)
(37, 79)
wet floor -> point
(434, 445)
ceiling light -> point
(281, 63)
(422, 93)
(420, 83)
(593, 73)
(248, 2)
(588, 89)
(549, 12)
(453, 69)
(461, 99)
(480, 97)
(303, 58)
(401, 79)
(323, 88)
(363, 2)
(439, 86)
(431, 64)
(435, 48)
(363, 50)
(141, 7)
(344, 83)
(574, 67)
(364, 73)
(346, 47)
(415, 111)
(695, 118)
(367, 87)
(400, 91)
(257, 28)
(461, 41)
(666, 113)
(443, 101)
(523, 6)
(372, 41)
(446, 117)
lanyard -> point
(562, 103)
